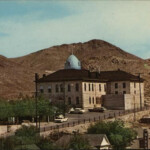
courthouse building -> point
(78, 87)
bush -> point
(119, 136)
(78, 142)
(46, 144)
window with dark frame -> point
(77, 100)
(116, 85)
(77, 87)
(84, 86)
(124, 85)
(93, 100)
(100, 87)
(41, 90)
(89, 100)
(116, 92)
(92, 87)
(49, 89)
(61, 88)
(134, 92)
(89, 87)
(69, 100)
(124, 92)
(57, 88)
(69, 88)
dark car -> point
(97, 109)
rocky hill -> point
(17, 74)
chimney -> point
(36, 76)
(44, 75)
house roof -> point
(103, 76)
(95, 140)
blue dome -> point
(72, 63)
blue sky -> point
(28, 26)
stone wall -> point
(112, 101)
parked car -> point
(77, 111)
(97, 109)
(60, 119)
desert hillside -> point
(17, 74)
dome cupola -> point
(72, 63)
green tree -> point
(78, 142)
(119, 136)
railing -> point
(93, 119)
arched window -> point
(69, 100)
(89, 100)
(77, 87)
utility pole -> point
(64, 101)
(36, 97)
(139, 76)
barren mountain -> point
(17, 74)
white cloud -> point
(125, 24)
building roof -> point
(85, 75)
(95, 140)
(119, 75)
(71, 75)
(72, 63)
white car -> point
(77, 111)
(60, 119)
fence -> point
(93, 119)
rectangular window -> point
(89, 100)
(124, 92)
(84, 86)
(89, 87)
(69, 88)
(56, 88)
(69, 100)
(42, 90)
(100, 87)
(116, 92)
(77, 87)
(77, 100)
(92, 87)
(124, 85)
(49, 90)
(93, 100)
(134, 92)
(61, 88)
(116, 85)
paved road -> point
(81, 117)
